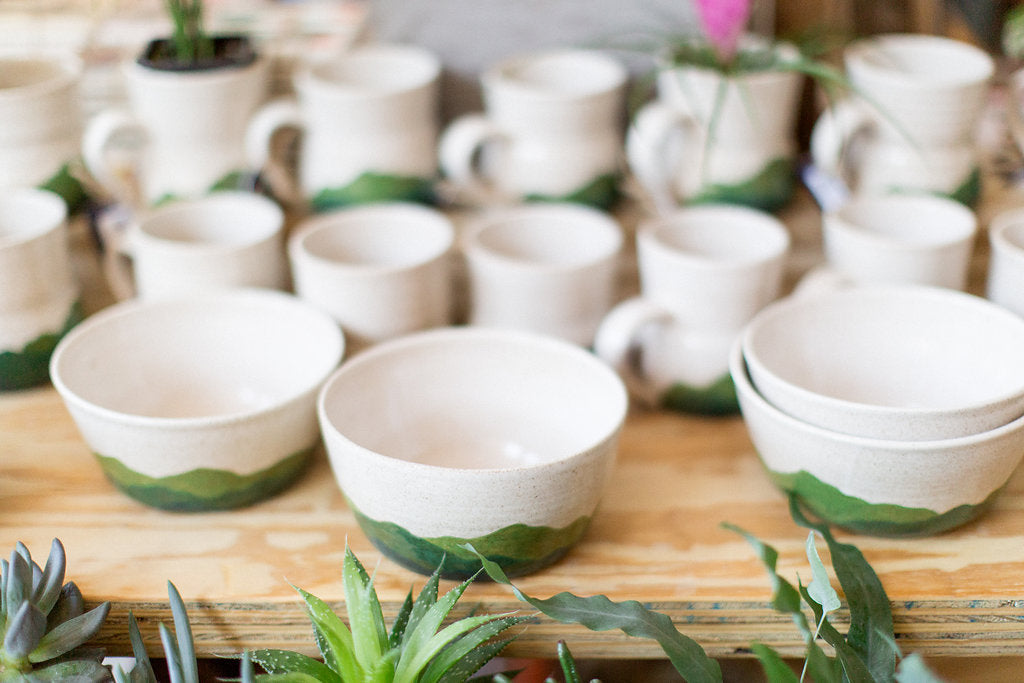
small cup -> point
(1005, 285)
(464, 435)
(39, 297)
(226, 239)
(890, 362)
(900, 239)
(704, 272)
(380, 270)
(546, 268)
(552, 129)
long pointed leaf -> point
(422, 637)
(142, 661)
(775, 668)
(48, 590)
(333, 638)
(401, 621)
(424, 601)
(785, 598)
(568, 664)
(464, 669)
(285, 661)
(24, 630)
(850, 659)
(183, 632)
(70, 604)
(70, 634)
(870, 609)
(598, 613)
(461, 648)
(171, 654)
(365, 618)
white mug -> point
(39, 297)
(910, 122)
(181, 135)
(381, 270)
(548, 268)
(369, 121)
(551, 130)
(714, 138)
(41, 115)
(223, 240)
(705, 271)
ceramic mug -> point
(546, 268)
(369, 122)
(38, 292)
(705, 271)
(223, 240)
(709, 138)
(900, 239)
(380, 270)
(181, 135)
(911, 124)
(551, 129)
(1005, 283)
(40, 110)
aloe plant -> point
(418, 648)
(190, 40)
(43, 622)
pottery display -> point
(501, 439)
(204, 402)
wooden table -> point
(656, 538)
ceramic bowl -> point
(890, 362)
(877, 486)
(199, 403)
(502, 439)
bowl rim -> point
(745, 386)
(835, 404)
(133, 307)
(467, 335)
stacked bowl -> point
(888, 410)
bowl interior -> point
(475, 399)
(213, 356)
(912, 348)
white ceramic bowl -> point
(890, 362)
(498, 438)
(877, 486)
(199, 403)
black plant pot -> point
(229, 51)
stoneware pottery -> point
(708, 137)
(551, 129)
(878, 486)
(381, 270)
(901, 239)
(1005, 284)
(199, 403)
(39, 297)
(911, 122)
(547, 267)
(500, 439)
(901, 363)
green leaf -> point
(853, 666)
(424, 601)
(143, 665)
(775, 668)
(870, 609)
(598, 613)
(174, 668)
(365, 618)
(19, 582)
(24, 631)
(785, 598)
(464, 669)
(183, 631)
(912, 669)
(401, 621)
(568, 664)
(48, 588)
(72, 671)
(285, 661)
(70, 634)
(333, 638)
(70, 604)
(820, 588)
(462, 649)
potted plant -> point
(723, 125)
(190, 97)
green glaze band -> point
(30, 366)
(874, 519)
(205, 489)
(602, 193)
(717, 398)
(376, 187)
(519, 549)
(769, 190)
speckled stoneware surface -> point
(875, 486)
(890, 362)
(199, 403)
(462, 435)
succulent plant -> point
(179, 648)
(43, 622)
(417, 649)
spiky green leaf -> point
(401, 621)
(424, 601)
(461, 648)
(598, 613)
(24, 631)
(365, 617)
(70, 634)
(285, 661)
(333, 638)
(464, 669)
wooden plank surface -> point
(656, 538)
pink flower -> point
(723, 22)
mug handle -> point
(619, 341)
(110, 131)
(259, 134)
(832, 134)
(650, 156)
(459, 148)
(116, 226)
